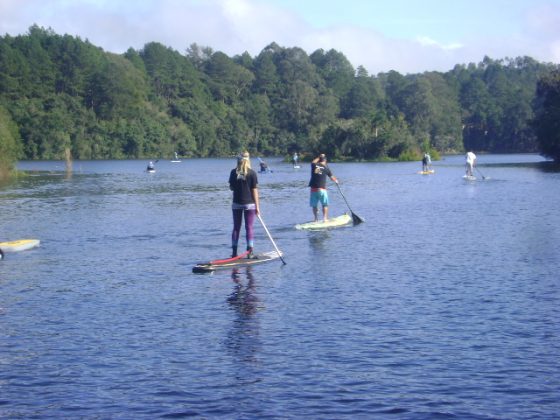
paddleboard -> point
(297, 167)
(334, 222)
(431, 171)
(175, 161)
(20, 245)
(240, 261)
(469, 177)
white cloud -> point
(237, 9)
(542, 25)
(429, 42)
(544, 18)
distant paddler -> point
(470, 161)
(426, 162)
(295, 159)
(263, 166)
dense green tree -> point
(228, 81)
(294, 64)
(170, 74)
(442, 110)
(61, 93)
(199, 55)
(13, 68)
(478, 110)
(266, 75)
(496, 97)
(335, 69)
(393, 84)
(257, 113)
(547, 118)
(134, 57)
(118, 90)
(363, 97)
(10, 143)
(244, 60)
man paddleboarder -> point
(318, 184)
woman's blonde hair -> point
(243, 164)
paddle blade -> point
(357, 219)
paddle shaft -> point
(355, 218)
(483, 177)
(271, 240)
(342, 194)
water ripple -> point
(444, 304)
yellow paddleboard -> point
(20, 245)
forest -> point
(61, 94)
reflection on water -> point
(243, 298)
(319, 240)
(243, 339)
(548, 166)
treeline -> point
(547, 119)
(58, 92)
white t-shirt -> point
(471, 157)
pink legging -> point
(249, 221)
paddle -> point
(355, 218)
(481, 174)
(271, 240)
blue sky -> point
(409, 36)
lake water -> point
(445, 303)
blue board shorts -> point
(317, 197)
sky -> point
(408, 36)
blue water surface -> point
(445, 303)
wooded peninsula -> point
(60, 94)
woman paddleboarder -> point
(243, 182)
